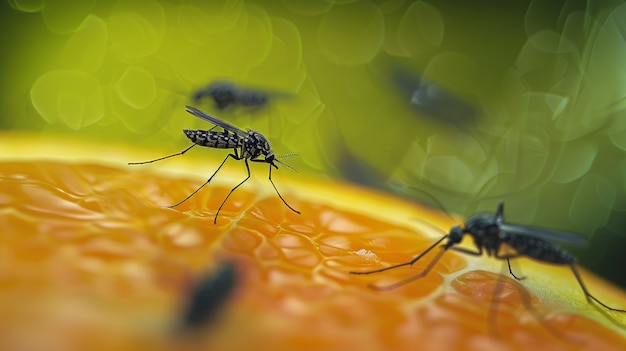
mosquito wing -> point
(218, 122)
(567, 238)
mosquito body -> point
(434, 100)
(225, 94)
(490, 234)
(208, 295)
(246, 145)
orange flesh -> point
(90, 260)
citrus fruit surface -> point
(92, 258)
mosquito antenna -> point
(162, 158)
(293, 154)
(278, 193)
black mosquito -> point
(490, 233)
(208, 296)
(433, 100)
(246, 145)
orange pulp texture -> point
(89, 259)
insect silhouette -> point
(433, 100)
(490, 233)
(208, 295)
(225, 94)
(246, 145)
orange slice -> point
(90, 259)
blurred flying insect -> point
(246, 145)
(434, 100)
(490, 233)
(225, 94)
(208, 295)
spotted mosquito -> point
(246, 145)
(490, 233)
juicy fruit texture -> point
(90, 259)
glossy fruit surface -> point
(91, 259)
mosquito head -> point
(271, 159)
(455, 236)
(481, 225)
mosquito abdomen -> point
(540, 250)
(209, 138)
(252, 98)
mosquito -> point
(225, 94)
(433, 100)
(490, 233)
(208, 295)
(246, 145)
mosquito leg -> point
(285, 202)
(235, 156)
(245, 160)
(162, 158)
(468, 252)
(271, 181)
(590, 297)
(508, 261)
(413, 278)
(409, 263)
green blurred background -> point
(543, 84)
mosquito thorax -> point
(478, 225)
(504, 236)
(264, 145)
(222, 93)
(258, 144)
